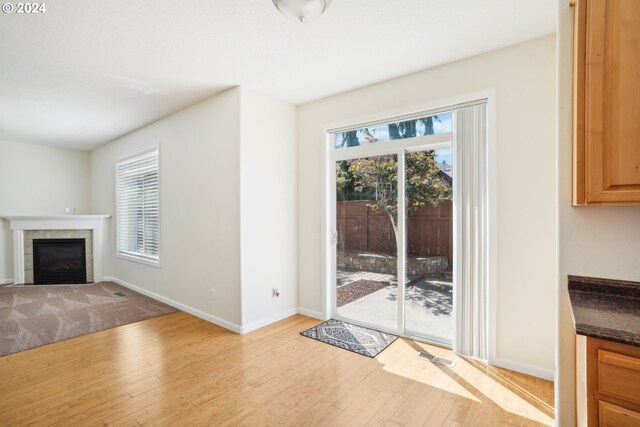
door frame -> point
(328, 201)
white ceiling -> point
(86, 72)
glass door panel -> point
(366, 243)
(428, 306)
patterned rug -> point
(31, 316)
(364, 341)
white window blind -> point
(138, 207)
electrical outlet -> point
(214, 294)
(276, 293)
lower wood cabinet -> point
(615, 416)
(607, 383)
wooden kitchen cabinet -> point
(606, 102)
(615, 416)
(607, 383)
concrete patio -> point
(428, 304)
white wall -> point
(38, 180)
(200, 206)
(267, 208)
(523, 77)
(227, 208)
(597, 241)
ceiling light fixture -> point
(302, 10)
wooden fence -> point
(429, 230)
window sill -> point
(138, 259)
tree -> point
(399, 130)
(403, 130)
(350, 139)
(377, 177)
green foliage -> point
(426, 183)
(376, 178)
(343, 178)
(345, 184)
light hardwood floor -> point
(180, 370)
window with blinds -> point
(138, 207)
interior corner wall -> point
(596, 241)
(199, 207)
(268, 209)
(524, 79)
(38, 180)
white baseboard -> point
(269, 320)
(205, 316)
(524, 368)
(208, 317)
(6, 281)
(311, 313)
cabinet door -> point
(615, 416)
(610, 156)
(619, 375)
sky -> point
(380, 133)
(444, 155)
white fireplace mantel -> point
(19, 223)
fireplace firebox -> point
(57, 261)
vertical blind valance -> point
(138, 206)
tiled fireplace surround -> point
(29, 235)
(27, 228)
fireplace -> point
(59, 261)
(27, 228)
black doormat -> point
(364, 341)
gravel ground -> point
(358, 289)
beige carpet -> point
(31, 316)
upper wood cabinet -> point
(606, 102)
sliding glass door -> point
(428, 292)
(366, 249)
(392, 227)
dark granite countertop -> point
(606, 309)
